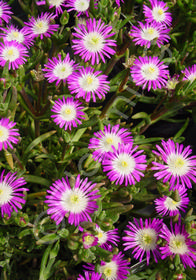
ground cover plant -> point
(97, 150)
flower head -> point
(178, 243)
(77, 202)
(157, 12)
(105, 238)
(67, 112)
(21, 36)
(14, 53)
(92, 41)
(58, 69)
(178, 168)
(172, 82)
(146, 34)
(168, 206)
(80, 6)
(90, 276)
(89, 240)
(5, 12)
(57, 4)
(190, 73)
(124, 165)
(8, 134)
(149, 71)
(142, 237)
(11, 193)
(104, 140)
(87, 83)
(41, 26)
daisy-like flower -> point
(90, 276)
(14, 53)
(178, 168)
(168, 206)
(12, 33)
(80, 6)
(149, 71)
(41, 26)
(78, 203)
(157, 12)
(146, 34)
(124, 165)
(5, 12)
(58, 69)
(105, 238)
(116, 269)
(87, 83)
(8, 134)
(104, 140)
(178, 243)
(142, 237)
(68, 112)
(190, 73)
(57, 4)
(92, 41)
(11, 193)
(89, 240)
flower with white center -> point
(68, 112)
(146, 34)
(58, 69)
(11, 193)
(78, 202)
(92, 41)
(179, 168)
(106, 238)
(8, 134)
(190, 73)
(142, 237)
(104, 140)
(150, 72)
(124, 164)
(178, 243)
(41, 26)
(5, 12)
(88, 83)
(168, 206)
(57, 4)
(80, 6)
(157, 12)
(89, 240)
(14, 53)
(12, 33)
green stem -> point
(37, 194)
(107, 106)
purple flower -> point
(149, 71)
(87, 83)
(104, 140)
(8, 134)
(118, 2)
(190, 73)
(67, 112)
(89, 240)
(178, 243)
(124, 165)
(41, 26)
(58, 69)
(12, 33)
(11, 193)
(105, 238)
(168, 206)
(13, 52)
(157, 12)
(92, 41)
(80, 6)
(5, 12)
(178, 168)
(77, 202)
(90, 276)
(142, 237)
(57, 4)
(148, 33)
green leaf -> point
(180, 132)
(25, 232)
(64, 19)
(142, 115)
(51, 237)
(37, 180)
(55, 250)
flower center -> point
(158, 14)
(177, 244)
(40, 27)
(89, 239)
(171, 204)
(89, 82)
(124, 164)
(10, 53)
(55, 2)
(109, 270)
(62, 70)
(5, 193)
(4, 133)
(149, 34)
(68, 113)
(74, 201)
(94, 42)
(81, 5)
(177, 165)
(108, 141)
(147, 238)
(101, 235)
(149, 71)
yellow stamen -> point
(68, 111)
(151, 31)
(124, 163)
(151, 69)
(63, 69)
(177, 243)
(160, 12)
(147, 238)
(1, 191)
(94, 40)
(109, 140)
(10, 52)
(179, 163)
(89, 239)
(1, 132)
(39, 25)
(74, 198)
(89, 80)
(15, 34)
(100, 235)
(107, 272)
